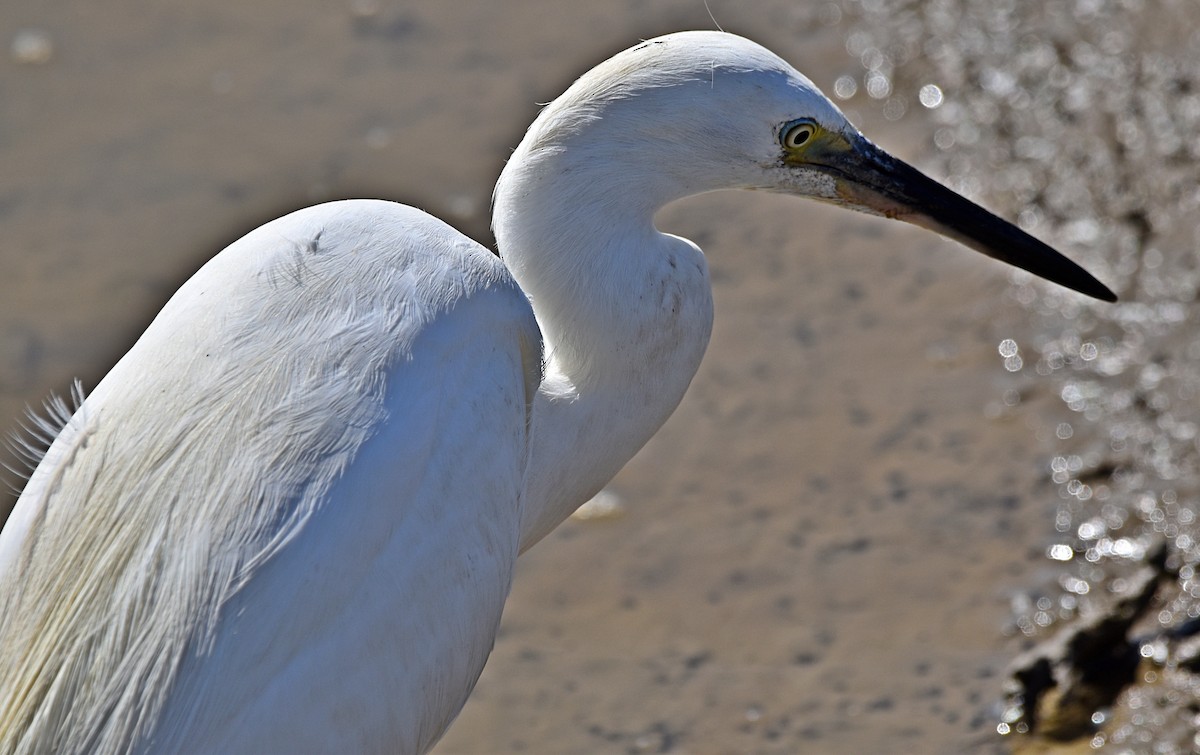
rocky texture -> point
(1056, 689)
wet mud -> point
(901, 465)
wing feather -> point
(213, 446)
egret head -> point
(699, 111)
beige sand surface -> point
(817, 551)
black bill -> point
(869, 179)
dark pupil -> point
(800, 136)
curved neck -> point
(625, 313)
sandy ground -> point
(817, 552)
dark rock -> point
(1060, 683)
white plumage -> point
(285, 493)
(287, 520)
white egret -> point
(287, 519)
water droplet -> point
(1029, 218)
(878, 85)
(873, 59)
(894, 108)
(857, 42)
(931, 96)
(845, 87)
(943, 138)
(998, 82)
(830, 14)
(1061, 552)
(1123, 548)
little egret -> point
(287, 519)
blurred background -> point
(900, 465)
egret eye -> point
(798, 134)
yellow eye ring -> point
(797, 134)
